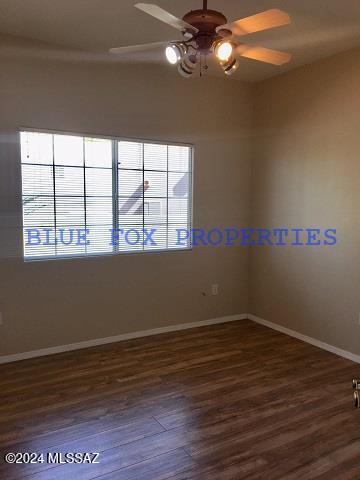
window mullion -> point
(115, 191)
(190, 195)
(54, 190)
(167, 197)
(143, 192)
(85, 213)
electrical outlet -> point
(215, 289)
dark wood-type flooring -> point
(231, 401)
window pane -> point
(99, 211)
(100, 237)
(155, 184)
(130, 183)
(178, 210)
(68, 150)
(36, 148)
(70, 210)
(179, 236)
(69, 181)
(130, 211)
(179, 185)
(70, 241)
(179, 158)
(159, 237)
(38, 210)
(37, 180)
(132, 240)
(39, 242)
(130, 155)
(155, 156)
(155, 211)
(98, 182)
(98, 153)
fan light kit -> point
(206, 32)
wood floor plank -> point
(157, 468)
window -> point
(92, 196)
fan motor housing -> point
(206, 21)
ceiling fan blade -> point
(137, 48)
(165, 17)
(256, 23)
(264, 54)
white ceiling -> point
(319, 28)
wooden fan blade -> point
(264, 54)
(256, 23)
(165, 17)
(137, 48)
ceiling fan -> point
(206, 31)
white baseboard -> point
(305, 338)
(118, 338)
(174, 328)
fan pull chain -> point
(203, 64)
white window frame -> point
(115, 140)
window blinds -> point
(73, 184)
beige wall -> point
(306, 173)
(60, 302)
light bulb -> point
(224, 51)
(174, 53)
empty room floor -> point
(230, 401)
